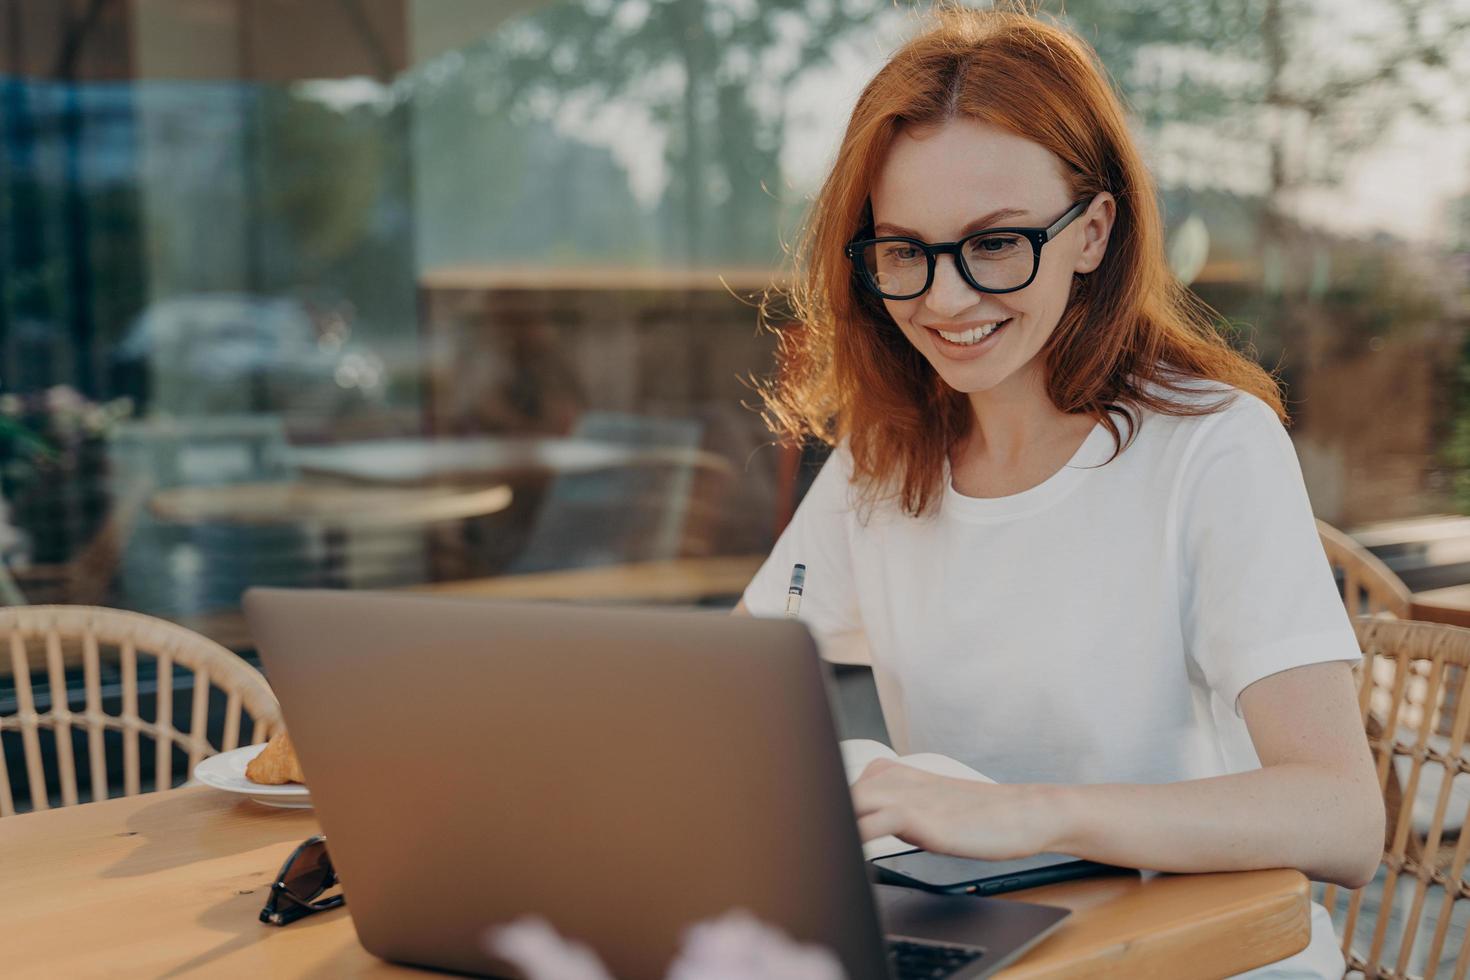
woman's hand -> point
(988, 821)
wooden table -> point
(675, 581)
(1449, 605)
(484, 458)
(684, 580)
(170, 885)
(343, 506)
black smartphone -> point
(966, 876)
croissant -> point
(277, 763)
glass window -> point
(436, 292)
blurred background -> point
(460, 295)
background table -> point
(170, 885)
(482, 458)
(345, 507)
(1448, 605)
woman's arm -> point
(1314, 805)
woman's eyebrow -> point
(983, 222)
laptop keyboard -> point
(923, 961)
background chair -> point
(659, 509)
(128, 662)
(1411, 919)
(1367, 585)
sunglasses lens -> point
(297, 892)
(310, 873)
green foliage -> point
(322, 173)
(713, 74)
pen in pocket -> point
(793, 591)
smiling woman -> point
(1136, 634)
(990, 119)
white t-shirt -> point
(1097, 627)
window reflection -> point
(292, 292)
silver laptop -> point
(621, 773)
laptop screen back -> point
(622, 773)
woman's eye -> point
(903, 253)
(994, 245)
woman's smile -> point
(963, 343)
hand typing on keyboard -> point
(986, 821)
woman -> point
(1062, 514)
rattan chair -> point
(1369, 587)
(85, 639)
(1418, 679)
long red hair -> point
(1131, 335)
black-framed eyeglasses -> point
(298, 888)
(992, 260)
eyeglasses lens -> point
(999, 261)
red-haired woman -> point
(1062, 513)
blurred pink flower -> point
(736, 946)
(539, 951)
(64, 399)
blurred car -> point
(227, 353)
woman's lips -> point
(963, 352)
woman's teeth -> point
(974, 335)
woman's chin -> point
(974, 381)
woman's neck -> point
(1015, 419)
(977, 471)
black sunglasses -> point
(992, 260)
(297, 891)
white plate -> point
(226, 771)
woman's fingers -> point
(940, 813)
(884, 782)
(881, 824)
(881, 802)
(871, 793)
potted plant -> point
(53, 468)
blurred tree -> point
(712, 74)
(323, 174)
(1236, 78)
(1460, 227)
(493, 187)
(1282, 73)
(1272, 98)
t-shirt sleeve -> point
(1258, 596)
(817, 537)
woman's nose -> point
(949, 294)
